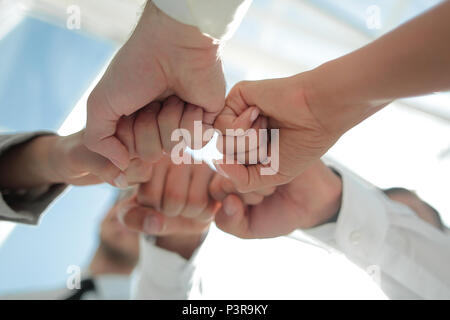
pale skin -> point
(314, 109)
(311, 199)
(179, 225)
(53, 159)
(175, 205)
(162, 58)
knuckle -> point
(148, 196)
(197, 203)
(174, 198)
(110, 172)
(163, 115)
(173, 101)
(143, 119)
(243, 188)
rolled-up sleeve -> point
(218, 19)
(378, 234)
(25, 205)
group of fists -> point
(184, 198)
(162, 83)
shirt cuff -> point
(216, 18)
(362, 222)
(25, 205)
(162, 274)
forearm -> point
(27, 165)
(412, 60)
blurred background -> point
(49, 64)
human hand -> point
(311, 199)
(173, 205)
(302, 138)
(162, 58)
(69, 161)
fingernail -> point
(121, 214)
(254, 115)
(118, 165)
(229, 209)
(121, 181)
(151, 225)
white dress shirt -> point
(164, 275)
(379, 235)
(375, 232)
(218, 19)
(372, 231)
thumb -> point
(242, 97)
(250, 178)
(232, 217)
(99, 135)
(229, 119)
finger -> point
(242, 142)
(169, 119)
(99, 166)
(216, 189)
(198, 196)
(209, 213)
(232, 218)
(87, 180)
(228, 120)
(147, 135)
(243, 95)
(150, 194)
(138, 171)
(251, 148)
(100, 129)
(221, 187)
(151, 221)
(251, 178)
(240, 101)
(265, 222)
(266, 191)
(125, 134)
(251, 198)
(143, 219)
(176, 189)
(193, 128)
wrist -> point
(337, 98)
(41, 167)
(184, 245)
(48, 151)
(158, 25)
(325, 188)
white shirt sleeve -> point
(380, 235)
(218, 19)
(164, 275)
